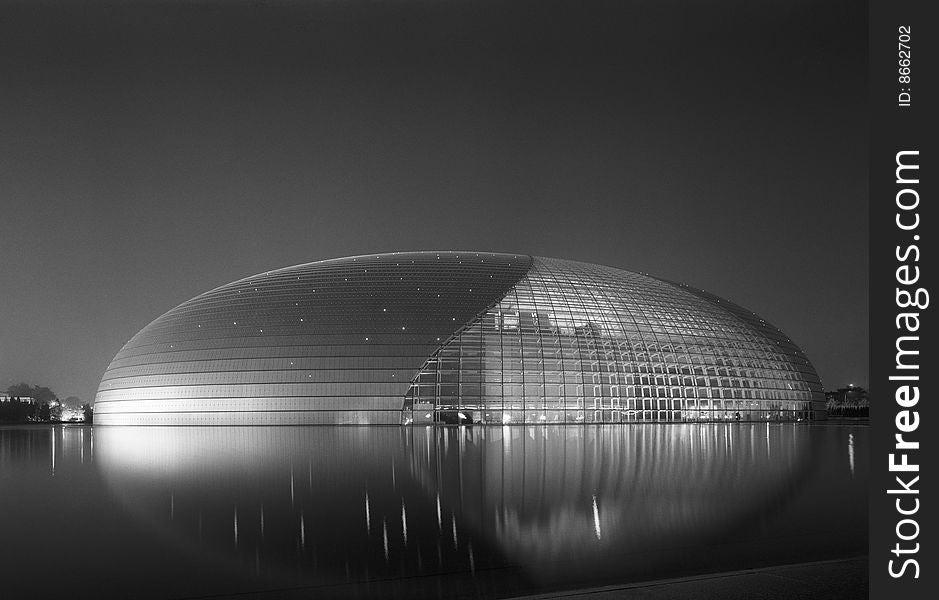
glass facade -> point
(574, 342)
(456, 337)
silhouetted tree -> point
(73, 402)
(17, 410)
(45, 405)
(40, 394)
(89, 412)
(851, 401)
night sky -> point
(152, 150)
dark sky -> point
(150, 151)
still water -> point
(467, 512)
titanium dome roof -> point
(456, 337)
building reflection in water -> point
(485, 511)
(610, 498)
(534, 506)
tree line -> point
(38, 404)
(851, 401)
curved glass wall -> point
(455, 337)
(335, 341)
(574, 342)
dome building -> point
(456, 337)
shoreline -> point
(835, 579)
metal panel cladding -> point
(575, 342)
(336, 341)
(457, 337)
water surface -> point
(176, 512)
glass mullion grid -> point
(693, 360)
(585, 341)
(557, 351)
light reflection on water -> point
(452, 511)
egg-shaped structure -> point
(456, 337)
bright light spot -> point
(596, 518)
(404, 523)
(851, 452)
(506, 418)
